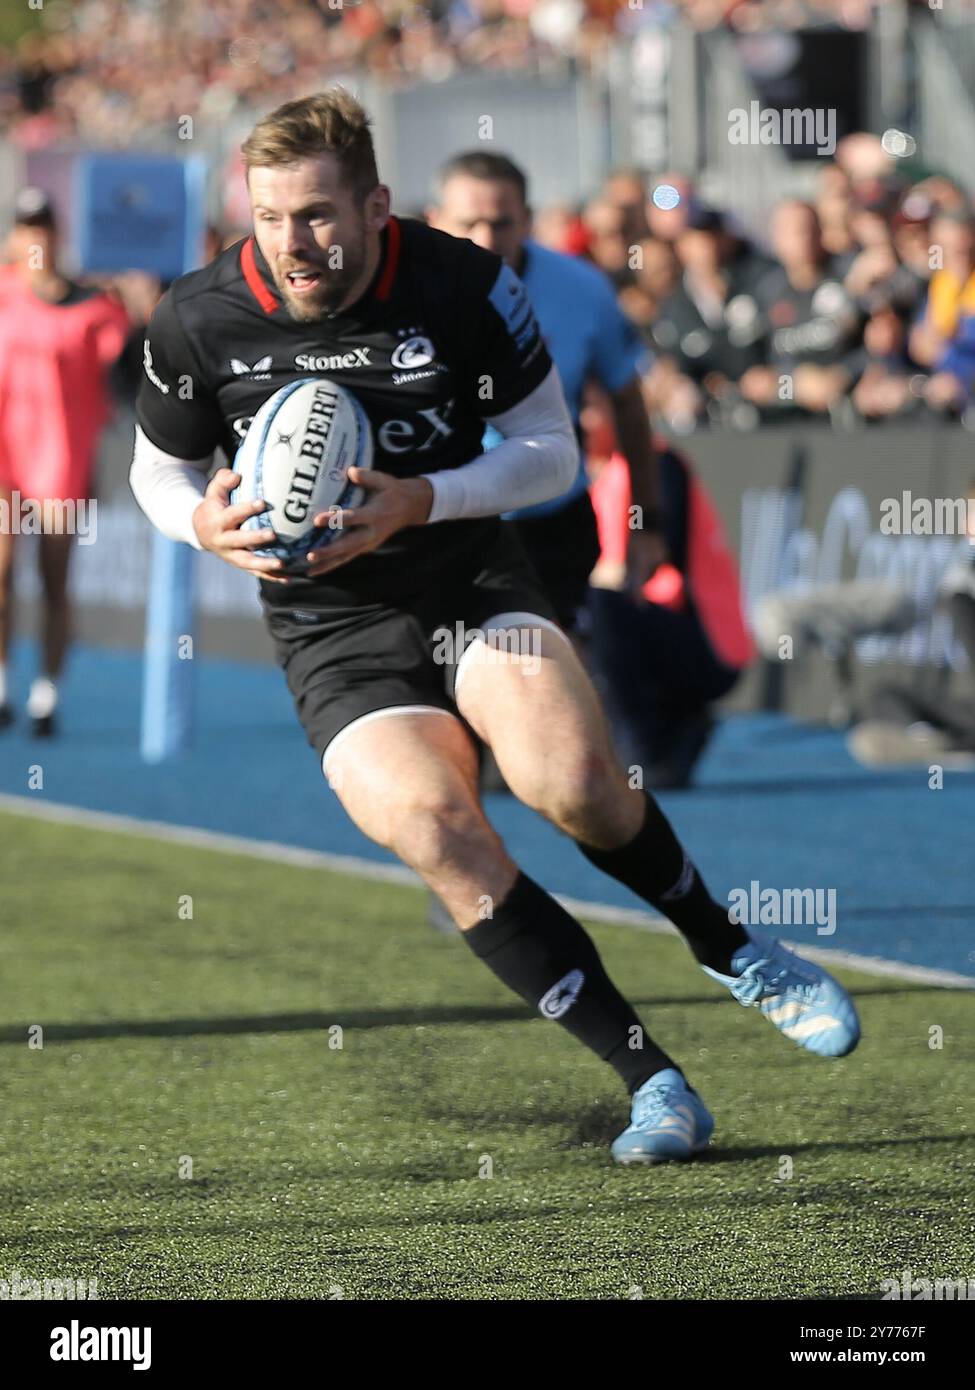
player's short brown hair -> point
(331, 121)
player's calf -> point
(456, 852)
(581, 790)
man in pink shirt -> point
(57, 341)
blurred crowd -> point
(94, 70)
(861, 307)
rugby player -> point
(434, 336)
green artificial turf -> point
(455, 1146)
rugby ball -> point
(296, 456)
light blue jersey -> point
(588, 337)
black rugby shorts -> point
(344, 660)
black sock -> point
(656, 868)
(541, 952)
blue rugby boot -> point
(801, 999)
(668, 1120)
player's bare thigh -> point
(525, 692)
(409, 781)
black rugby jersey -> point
(443, 338)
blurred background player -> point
(484, 197)
(661, 657)
(57, 342)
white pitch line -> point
(195, 838)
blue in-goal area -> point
(779, 804)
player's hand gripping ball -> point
(296, 457)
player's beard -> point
(327, 296)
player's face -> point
(488, 211)
(319, 243)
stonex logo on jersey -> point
(334, 361)
(414, 359)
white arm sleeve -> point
(537, 460)
(168, 489)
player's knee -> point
(439, 832)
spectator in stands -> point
(911, 228)
(888, 279)
(884, 385)
(873, 268)
(57, 342)
(833, 200)
(559, 227)
(626, 189)
(944, 338)
(82, 75)
(656, 272)
(865, 162)
(608, 244)
(812, 325)
(895, 269)
(872, 209)
(709, 328)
